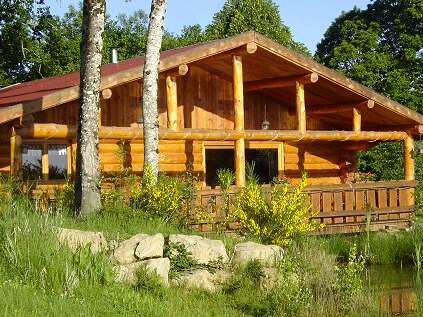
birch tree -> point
(87, 181)
(150, 77)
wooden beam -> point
(51, 131)
(280, 82)
(172, 102)
(106, 93)
(238, 83)
(44, 161)
(15, 153)
(329, 109)
(300, 105)
(409, 169)
(408, 158)
(356, 119)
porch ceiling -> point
(266, 65)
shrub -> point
(64, 197)
(165, 198)
(278, 220)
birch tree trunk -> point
(150, 77)
(87, 180)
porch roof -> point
(271, 60)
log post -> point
(69, 159)
(44, 161)
(409, 166)
(238, 83)
(300, 103)
(15, 153)
(172, 102)
(356, 120)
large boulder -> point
(150, 247)
(249, 251)
(201, 279)
(139, 247)
(202, 250)
(127, 273)
(75, 239)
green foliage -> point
(148, 281)
(262, 16)
(350, 283)
(165, 198)
(225, 178)
(31, 252)
(278, 220)
(180, 258)
(64, 197)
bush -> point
(165, 198)
(277, 221)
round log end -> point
(314, 78)
(251, 48)
(183, 69)
(106, 93)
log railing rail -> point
(342, 207)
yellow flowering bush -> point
(277, 217)
(165, 198)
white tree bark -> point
(150, 77)
(87, 178)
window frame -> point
(44, 144)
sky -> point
(307, 19)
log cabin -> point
(221, 104)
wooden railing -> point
(341, 208)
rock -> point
(112, 245)
(127, 273)
(196, 279)
(139, 247)
(201, 279)
(125, 252)
(202, 250)
(77, 238)
(150, 247)
(248, 251)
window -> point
(44, 161)
(31, 161)
(265, 162)
(57, 161)
(215, 160)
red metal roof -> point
(38, 88)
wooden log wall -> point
(174, 156)
(204, 101)
(321, 162)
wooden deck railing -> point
(341, 208)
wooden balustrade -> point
(342, 207)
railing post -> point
(238, 87)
